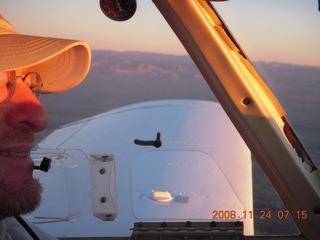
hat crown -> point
(6, 27)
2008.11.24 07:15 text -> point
(280, 214)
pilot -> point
(29, 66)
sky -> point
(275, 30)
(83, 19)
(271, 30)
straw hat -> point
(61, 63)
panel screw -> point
(103, 199)
(102, 171)
(246, 101)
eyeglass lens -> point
(33, 80)
(7, 84)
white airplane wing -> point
(162, 161)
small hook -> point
(156, 143)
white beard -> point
(19, 198)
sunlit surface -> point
(273, 31)
(281, 41)
(162, 197)
(280, 37)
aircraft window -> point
(281, 40)
(135, 61)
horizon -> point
(165, 77)
(266, 30)
(187, 55)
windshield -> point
(281, 40)
(142, 60)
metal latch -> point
(103, 186)
(156, 143)
(188, 230)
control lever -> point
(156, 143)
(44, 165)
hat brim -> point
(61, 63)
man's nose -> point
(25, 110)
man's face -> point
(20, 118)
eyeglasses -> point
(8, 85)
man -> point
(29, 66)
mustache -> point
(16, 136)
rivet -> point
(238, 224)
(103, 199)
(213, 224)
